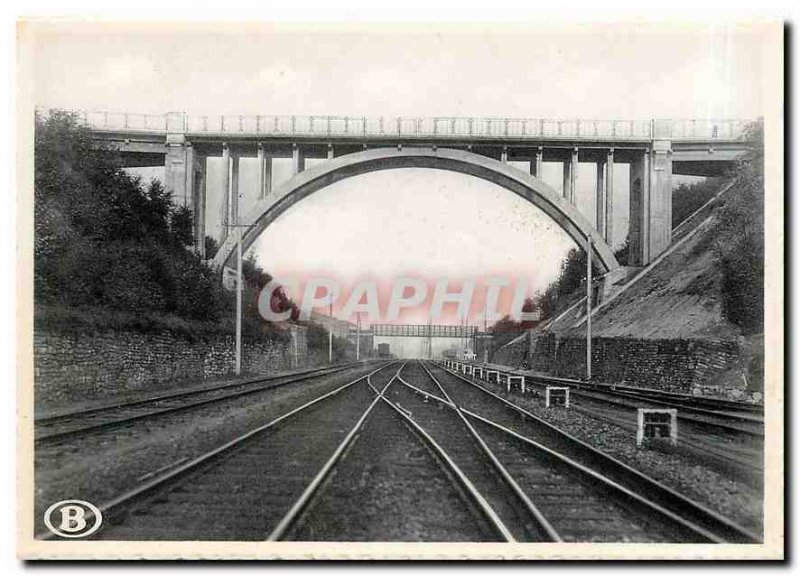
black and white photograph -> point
(400, 291)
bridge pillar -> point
(651, 203)
(504, 155)
(639, 249)
(609, 198)
(570, 176)
(600, 197)
(661, 197)
(226, 185)
(235, 196)
(264, 173)
(330, 151)
(198, 188)
(536, 163)
(298, 161)
(176, 170)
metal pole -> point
(588, 307)
(238, 300)
(486, 330)
(358, 337)
(330, 331)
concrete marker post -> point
(644, 419)
(549, 397)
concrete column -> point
(600, 198)
(640, 209)
(536, 163)
(330, 151)
(235, 196)
(175, 169)
(264, 173)
(199, 193)
(225, 187)
(609, 211)
(660, 197)
(570, 176)
(504, 155)
(298, 162)
(651, 203)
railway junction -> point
(407, 450)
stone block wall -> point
(72, 367)
(686, 366)
(515, 353)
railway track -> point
(239, 490)
(334, 512)
(520, 519)
(401, 436)
(710, 420)
(723, 450)
(58, 427)
(737, 417)
(733, 449)
(575, 502)
(258, 485)
(483, 405)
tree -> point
(104, 239)
(739, 242)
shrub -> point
(739, 240)
(104, 240)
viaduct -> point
(482, 147)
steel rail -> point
(58, 435)
(542, 523)
(597, 477)
(697, 416)
(580, 468)
(486, 508)
(724, 459)
(731, 531)
(721, 407)
(109, 508)
(186, 391)
(299, 505)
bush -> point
(687, 198)
(739, 240)
(104, 240)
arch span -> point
(309, 181)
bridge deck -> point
(438, 128)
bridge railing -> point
(424, 330)
(418, 127)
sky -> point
(430, 222)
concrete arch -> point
(309, 181)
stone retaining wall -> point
(686, 366)
(82, 366)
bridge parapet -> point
(359, 128)
(653, 149)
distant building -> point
(340, 328)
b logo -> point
(73, 518)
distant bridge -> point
(482, 147)
(420, 331)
